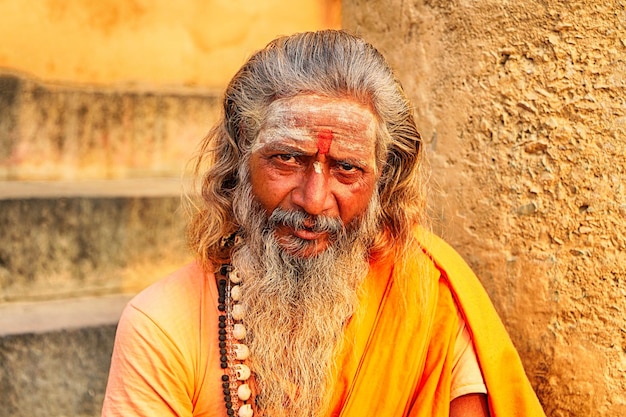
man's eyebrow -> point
(359, 162)
(279, 147)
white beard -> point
(297, 309)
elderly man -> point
(317, 290)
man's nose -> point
(313, 195)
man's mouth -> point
(301, 242)
(304, 233)
(301, 234)
(308, 234)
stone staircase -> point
(90, 213)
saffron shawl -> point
(389, 370)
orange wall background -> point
(162, 42)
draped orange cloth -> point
(400, 361)
(396, 362)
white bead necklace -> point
(233, 352)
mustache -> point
(299, 220)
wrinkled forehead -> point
(327, 120)
(343, 108)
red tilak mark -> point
(324, 139)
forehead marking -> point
(324, 139)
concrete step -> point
(55, 355)
(69, 239)
(51, 131)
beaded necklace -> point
(233, 353)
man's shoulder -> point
(442, 254)
(181, 292)
(463, 282)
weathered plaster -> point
(522, 108)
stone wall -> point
(54, 131)
(101, 106)
(522, 108)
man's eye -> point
(347, 167)
(286, 157)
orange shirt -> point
(396, 361)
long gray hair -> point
(329, 63)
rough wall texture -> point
(76, 246)
(61, 131)
(521, 104)
(60, 374)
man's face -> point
(314, 155)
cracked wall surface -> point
(523, 110)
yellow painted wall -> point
(163, 42)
